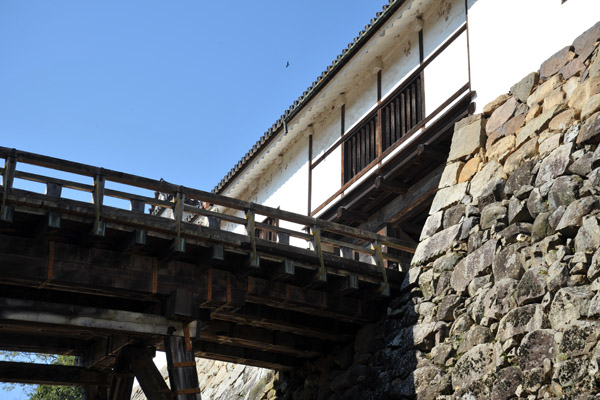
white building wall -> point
(286, 185)
(511, 38)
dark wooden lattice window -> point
(398, 115)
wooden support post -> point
(214, 222)
(179, 245)
(217, 253)
(283, 238)
(285, 271)
(137, 206)
(254, 259)
(321, 275)
(98, 199)
(346, 252)
(6, 211)
(53, 190)
(384, 289)
(150, 379)
(122, 379)
(182, 368)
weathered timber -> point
(182, 368)
(42, 374)
(150, 379)
(86, 318)
(289, 321)
(262, 339)
(241, 355)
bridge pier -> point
(181, 364)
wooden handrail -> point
(349, 237)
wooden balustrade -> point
(290, 225)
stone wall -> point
(226, 381)
(503, 296)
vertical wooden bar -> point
(179, 244)
(98, 199)
(321, 275)
(253, 260)
(8, 177)
(344, 147)
(403, 113)
(310, 168)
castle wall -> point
(503, 296)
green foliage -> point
(45, 392)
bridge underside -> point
(112, 296)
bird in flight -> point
(287, 64)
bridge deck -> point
(89, 278)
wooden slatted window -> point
(398, 115)
(361, 148)
(402, 112)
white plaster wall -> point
(450, 70)
(285, 185)
(511, 38)
(400, 61)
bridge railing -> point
(187, 205)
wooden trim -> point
(184, 364)
(181, 392)
(390, 149)
(310, 168)
(396, 91)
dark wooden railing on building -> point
(402, 112)
(398, 116)
(322, 236)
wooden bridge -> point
(149, 265)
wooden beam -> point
(86, 318)
(261, 316)
(42, 374)
(382, 184)
(436, 152)
(421, 192)
(240, 355)
(150, 379)
(43, 343)
(181, 365)
(262, 339)
(346, 214)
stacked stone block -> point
(502, 300)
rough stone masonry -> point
(502, 300)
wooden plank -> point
(183, 377)
(150, 379)
(262, 339)
(287, 321)
(85, 318)
(41, 374)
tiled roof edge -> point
(380, 18)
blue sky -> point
(178, 90)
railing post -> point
(321, 275)
(53, 190)
(8, 177)
(384, 289)
(98, 199)
(254, 260)
(179, 202)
